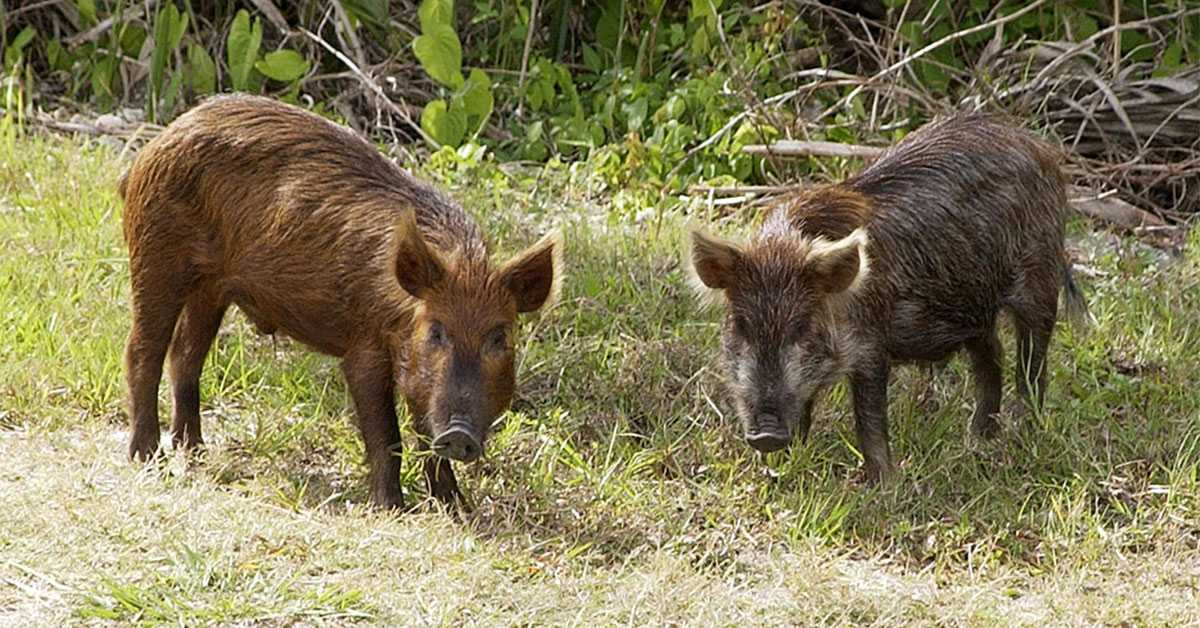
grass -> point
(617, 490)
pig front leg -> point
(868, 386)
(369, 377)
(439, 477)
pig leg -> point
(157, 298)
(869, 390)
(1034, 324)
(369, 377)
(439, 476)
(986, 353)
(198, 326)
(1033, 340)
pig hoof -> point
(985, 428)
(387, 500)
(143, 450)
(449, 495)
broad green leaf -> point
(440, 55)
(102, 79)
(178, 28)
(591, 59)
(23, 38)
(87, 12)
(133, 37)
(635, 114)
(700, 44)
(241, 51)
(1171, 60)
(59, 58)
(202, 70)
(912, 32)
(445, 123)
(171, 93)
(13, 53)
(169, 25)
(477, 98)
(373, 12)
(1136, 45)
(705, 8)
(434, 13)
(284, 65)
(608, 30)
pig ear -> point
(841, 265)
(712, 260)
(535, 276)
(418, 268)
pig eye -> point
(497, 339)
(437, 334)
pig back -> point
(963, 209)
(287, 214)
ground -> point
(617, 490)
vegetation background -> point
(616, 490)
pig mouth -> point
(768, 433)
(459, 441)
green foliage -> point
(446, 123)
(241, 50)
(373, 12)
(284, 65)
(202, 71)
(169, 27)
(440, 54)
(463, 112)
(13, 54)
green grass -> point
(617, 490)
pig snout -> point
(768, 433)
(459, 441)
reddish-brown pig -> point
(311, 232)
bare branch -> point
(792, 148)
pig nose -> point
(458, 441)
(768, 433)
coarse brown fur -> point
(311, 232)
(911, 260)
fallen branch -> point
(1107, 207)
(94, 33)
(793, 148)
(734, 190)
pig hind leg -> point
(1033, 321)
(198, 326)
(986, 354)
(158, 294)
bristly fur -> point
(311, 232)
(958, 222)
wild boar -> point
(911, 260)
(311, 232)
